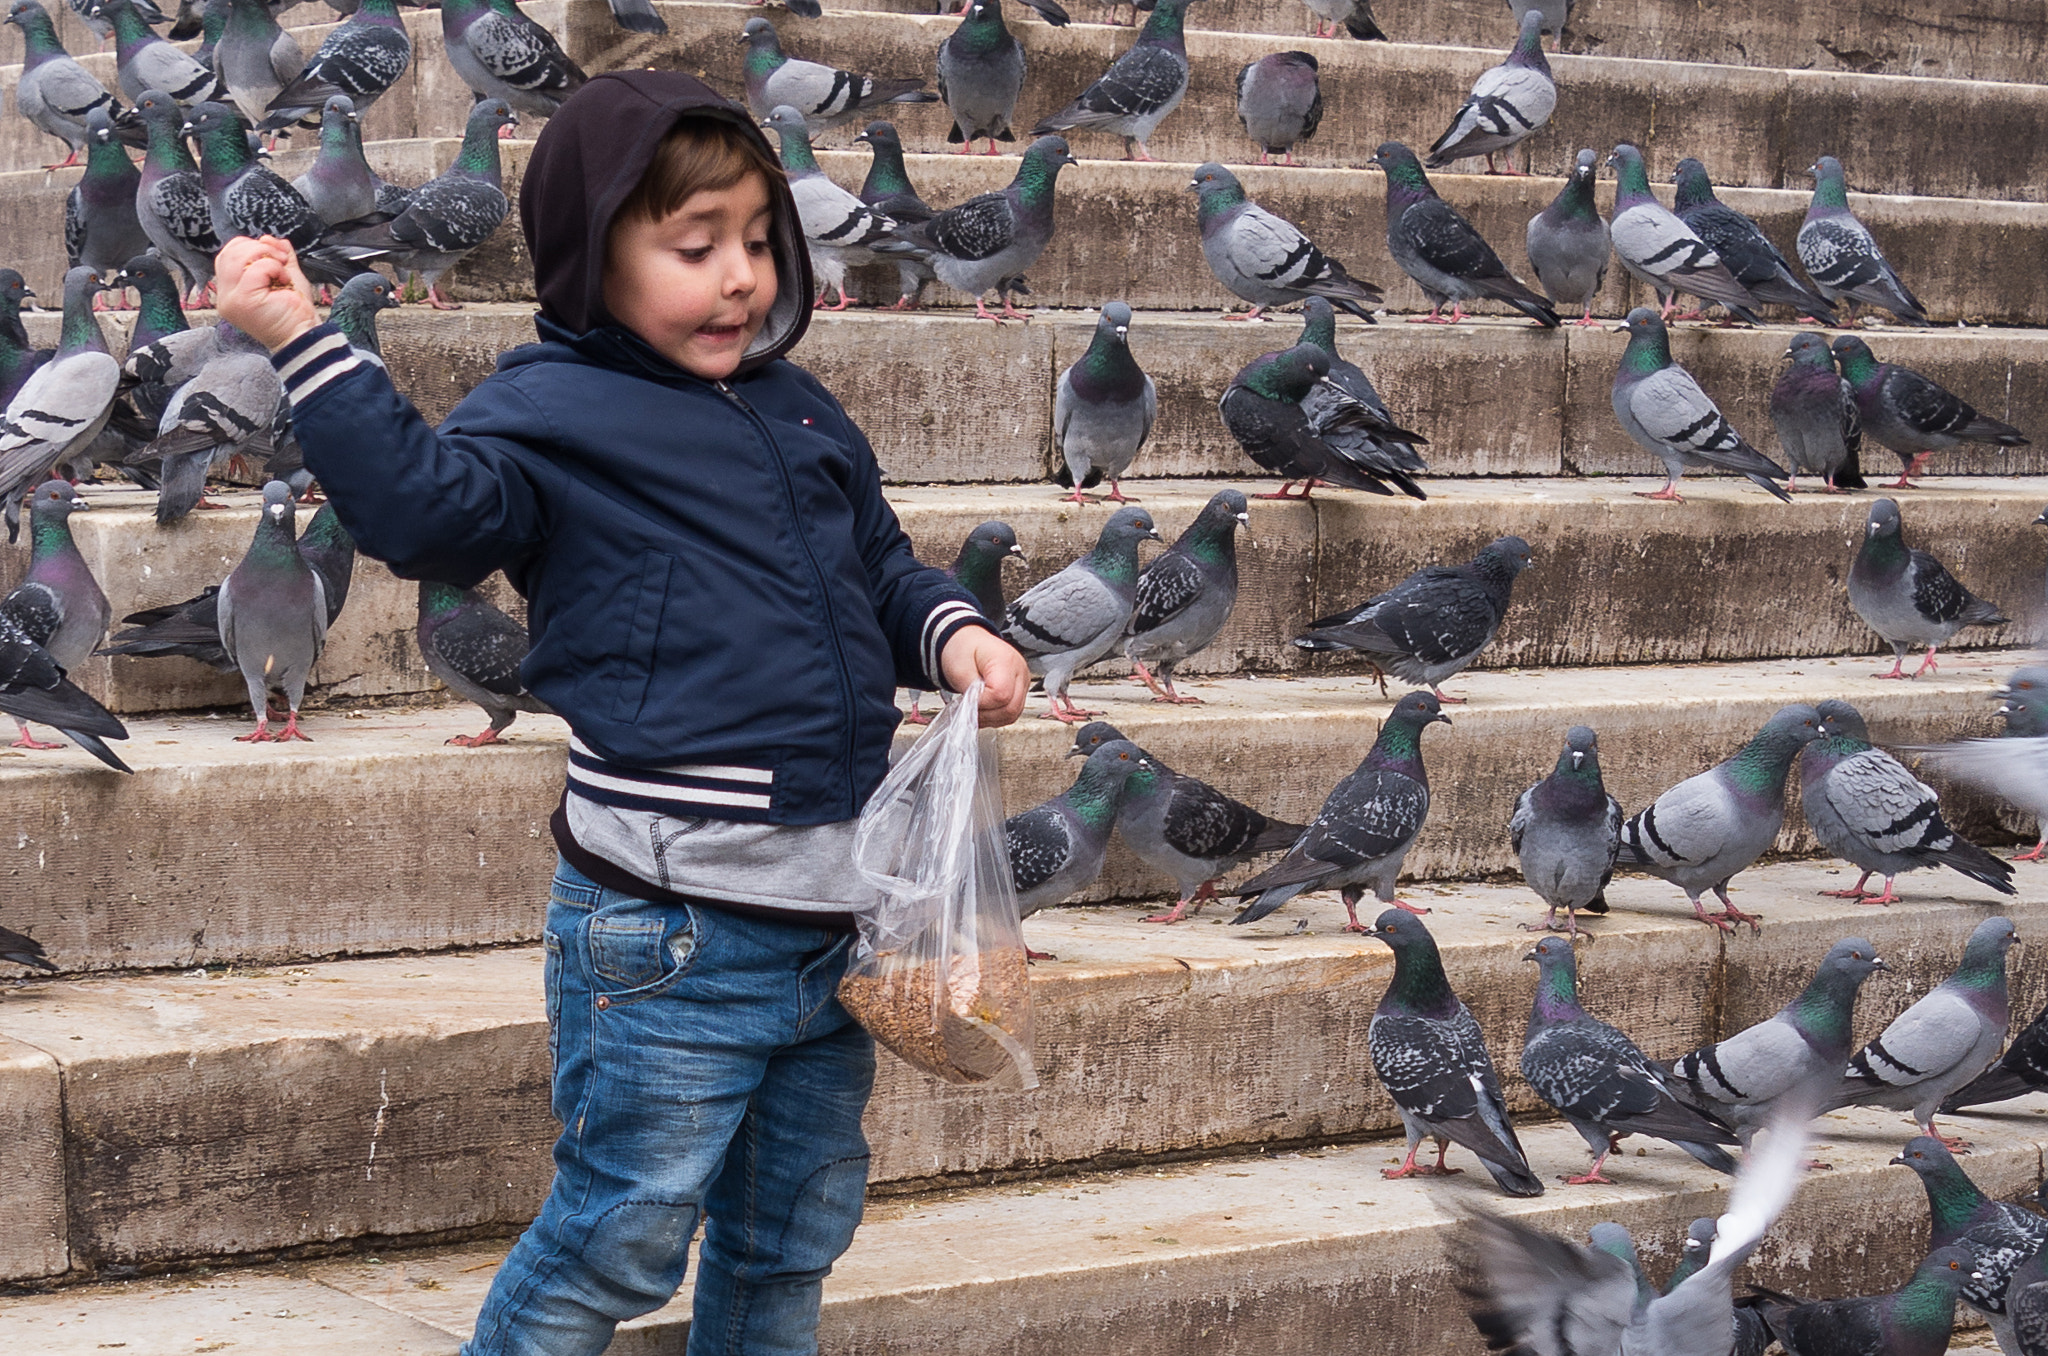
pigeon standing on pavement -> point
(1745, 249)
(273, 617)
(840, 230)
(100, 226)
(1066, 622)
(981, 72)
(500, 53)
(338, 185)
(1343, 442)
(243, 195)
(226, 410)
(146, 61)
(887, 190)
(170, 199)
(2000, 1234)
(822, 96)
(1138, 90)
(1815, 413)
(1440, 250)
(360, 60)
(1657, 247)
(1905, 594)
(1345, 407)
(1508, 104)
(63, 405)
(256, 58)
(1056, 848)
(1264, 258)
(1279, 103)
(1914, 1320)
(1186, 595)
(1841, 256)
(979, 569)
(1566, 831)
(33, 687)
(54, 92)
(473, 647)
(1911, 415)
(1663, 409)
(1569, 243)
(994, 237)
(58, 604)
(1103, 409)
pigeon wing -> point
(36, 609)
(1882, 803)
(1069, 611)
(484, 645)
(1925, 1041)
(1167, 586)
(1141, 81)
(1447, 242)
(976, 229)
(1371, 814)
(1535, 1294)
(1040, 842)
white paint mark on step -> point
(377, 1128)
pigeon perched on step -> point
(2013, 766)
(1429, 627)
(1509, 103)
(2022, 1069)
(1906, 596)
(1815, 413)
(1103, 409)
(1358, 839)
(54, 92)
(170, 199)
(1659, 249)
(1914, 1320)
(1264, 258)
(273, 617)
(58, 604)
(1865, 808)
(1569, 243)
(355, 309)
(256, 58)
(100, 226)
(1704, 831)
(840, 230)
(1344, 443)
(1566, 831)
(979, 569)
(19, 358)
(227, 410)
(1841, 256)
(1186, 595)
(1369, 439)
(146, 61)
(33, 687)
(1354, 16)
(1661, 406)
(1746, 251)
(981, 72)
(473, 647)
(2026, 1306)
(1138, 90)
(360, 60)
(338, 184)
(2000, 1235)
(500, 53)
(1910, 414)
(1279, 103)
(1427, 1051)
(152, 373)
(19, 949)
(1448, 259)
(243, 195)
(1065, 623)
(822, 95)
(887, 189)
(994, 237)
(1056, 848)
(1599, 1081)
(63, 405)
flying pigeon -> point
(170, 199)
(2022, 1069)
(243, 195)
(822, 96)
(1344, 443)
(887, 190)
(1509, 103)
(1266, 259)
(994, 237)
(1566, 831)
(1138, 90)
(338, 185)
(19, 358)
(256, 58)
(1066, 622)
(55, 93)
(1910, 414)
(1814, 411)
(475, 649)
(840, 230)
(1841, 256)
(100, 227)
(1102, 410)
(273, 617)
(63, 405)
(226, 410)
(1704, 831)
(1914, 1320)
(146, 61)
(1367, 824)
(2013, 766)
(1906, 596)
(1056, 848)
(1746, 251)
(1657, 247)
(58, 605)
(1569, 243)
(359, 60)
(979, 569)
(1599, 1081)
(19, 949)
(981, 72)
(1427, 1051)
(1355, 16)
(1186, 595)
(1433, 624)
(1867, 809)
(1662, 407)
(500, 53)
(1279, 103)
(1440, 250)
(2000, 1235)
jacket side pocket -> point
(636, 664)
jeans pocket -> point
(640, 949)
(551, 945)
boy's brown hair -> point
(698, 155)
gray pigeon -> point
(1358, 839)
(355, 309)
(1138, 90)
(338, 185)
(1264, 258)
(243, 195)
(1569, 243)
(1333, 404)
(1662, 407)
(2000, 1234)
(54, 93)
(1508, 104)
(170, 199)
(1867, 809)
(994, 237)
(840, 230)
(1814, 411)
(1056, 848)
(1440, 250)
(227, 410)
(19, 949)
(58, 604)
(146, 61)
(1067, 622)
(1102, 410)
(981, 72)
(63, 405)
(1566, 831)
(822, 96)
(1279, 103)
(2013, 766)
(1841, 256)
(1911, 414)
(1429, 1054)
(273, 617)
(1656, 246)
(256, 59)
(100, 227)
(1186, 595)
(1914, 1320)
(500, 53)
(1906, 596)
(1355, 16)
(1267, 408)
(475, 649)
(1704, 831)
(1743, 247)
(359, 60)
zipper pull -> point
(733, 396)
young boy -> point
(722, 605)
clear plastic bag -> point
(938, 975)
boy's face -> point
(699, 283)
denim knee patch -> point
(642, 1248)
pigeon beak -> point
(1246, 519)
(1440, 718)
(1870, 529)
(2004, 709)
(740, 41)
(1898, 1161)
(1531, 956)
(2039, 521)
(188, 129)
(1578, 759)
(77, 504)
(1622, 328)
(1018, 552)
(1123, 331)
(1877, 964)
(1077, 751)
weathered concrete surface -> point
(33, 1242)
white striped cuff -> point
(945, 619)
(312, 360)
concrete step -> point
(228, 1113)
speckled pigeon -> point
(338, 184)
(1658, 248)
(243, 195)
(1358, 839)
(500, 53)
(1841, 256)
(54, 93)
(58, 604)
(1906, 596)
(1569, 243)
(19, 949)
(2000, 1235)
(100, 227)
(1509, 103)
(146, 61)
(1264, 258)
(1344, 443)
(1186, 595)
(273, 617)
(888, 190)
(2026, 1306)
(1334, 404)
(1355, 16)
(1910, 414)
(1433, 624)
(1102, 410)
(1566, 831)
(1279, 103)
(103, 26)
(840, 230)
(1867, 809)
(360, 60)
(1746, 251)
(1707, 829)
(1815, 413)
(822, 95)
(994, 237)
(475, 649)
(1138, 90)
(1056, 848)
(33, 688)
(226, 410)
(170, 199)
(1914, 1320)
(1067, 622)
(153, 372)
(63, 405)
(256, 58)
(981, 72)
(1661, 406)
(1438, 248)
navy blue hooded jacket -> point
(721, 602)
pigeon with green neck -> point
(225, 413)
(1067, 622)
(502, 54)
(1186, 595)
(887, 189)
(100, 226)
(1661, 406)
(170, 199)
(1999, 1234)
(473, 647)
(1814, 411)
(1440, 250)
(63, 405)
(1913, 415)
(273, 617)
(1743, 247)
(1841, 256)
(1509, 103)
(1347, 406)
(361, 59)
(1102, 411)
(1658, 248)
(1566, 832)
(54, 92)
(19, 357)
(1914, 1320)
(978, 568)
(355, 313)
(58, 604)
(840, 231)
(145, 61)
(243, 195)
(1569, 243)
(1056, 849)
(993, 238)
(1265, 407)
(338, 184)
(823, 96)
(1907, 596)
(981, 72)
(1138, 90)
(1264, 258)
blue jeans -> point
(704, 1072)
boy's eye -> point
(758, 246)
(695, 254)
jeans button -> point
(603, 1002)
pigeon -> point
(2026, 1305)
(1906, 596)
(1429, 627)
(243, 195)
(354, 313)
(822, 96)
(146, 61)
(1266, 259)
(1183, 827)
(1066, 622)
(1662, 407)
(1746, 251)
(981, 73)
(1914, 1320)
(256, 59)
(327, 546)
(1508, 104)
(58, 604)
(1279, 103)
(55, 93)
(994, 237)
(1752, 1337)
(1355, 15)
(170, 198)
(1707, 829)
(1867, 809)
(1056, 848)
(19, 358)
(1186, 595)
(1138, 90)
(638, 16)
(1658, 248)
(979, 569)
(1910, 414)
(1569, 243)
(338, 186)
(502, 54)
(2001, 1235)
(1815, 413)
(103, 26)
(1566, 831)
(1329, 402)
(18, 949)
(100, 226)
(360, 60)
(273, 617)
(1367, 824)
(1799, 1051)
(840, 230)
(1943, 1041)
(887, 190)
(63, 405)
(1427, 1051)
(2022, 1069)
(1440, 250)
(152, 373)
(2013, 766)
(1103, 409)
(1599, 1081)
(1346, 443)
(476, 650)
(225, 411)
(33, 688)
(1841, 256)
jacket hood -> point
(590, 157)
